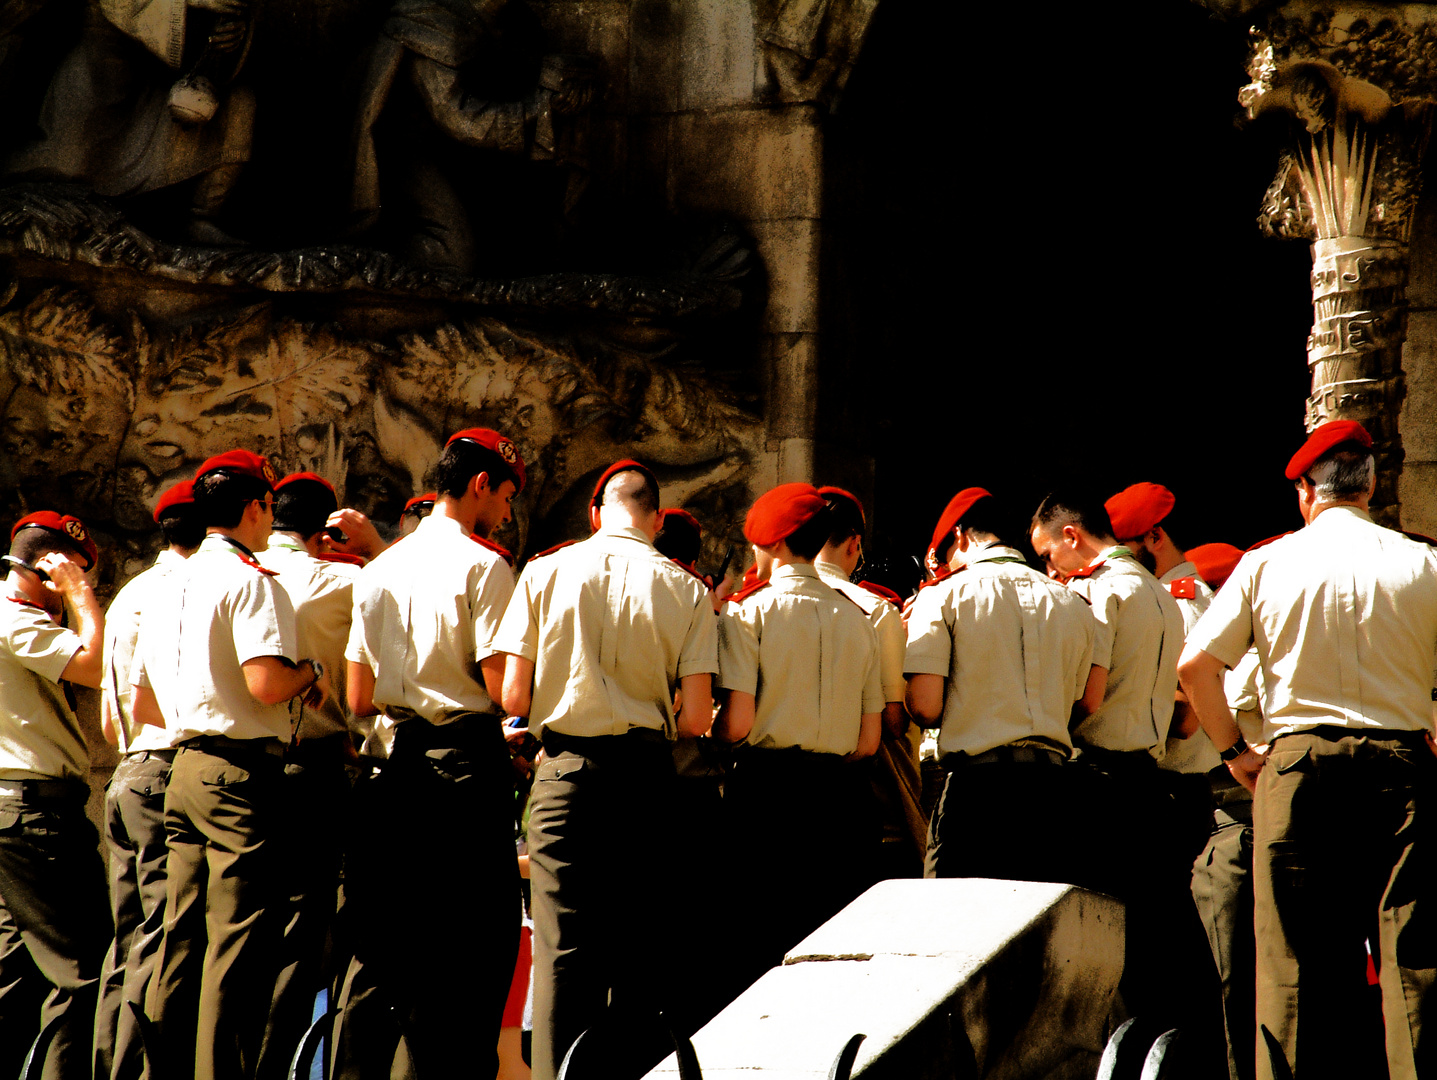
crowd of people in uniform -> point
(316, 786)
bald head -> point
(631, 500)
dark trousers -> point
(53, 926)
(134, 835)
(803, 829)
(316, 799)
(211, 989)
(1342, 849)
(1222, 888)
(432, 890)
(1003, 819)
(601, 853)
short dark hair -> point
(463, 460)
(808, 539)
(221, 497)
(845, 518)
(303, 506)
(678, 539)
(644, 498)
(987, 517)
(181, 526)
(1060, 508)
(32, 544)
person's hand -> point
(319, 693)
(66, 577)
(361, 537)
(1247, 765)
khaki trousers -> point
(134, 834)
(1343, 852)
(217, 964)
(53, 927)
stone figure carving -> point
(118, 120)
(810, 46)
(417, 93)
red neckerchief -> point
(743, 594)
(878, 590)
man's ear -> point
(850, 549)
(594, 521)
(1070, 536)
(478, 485)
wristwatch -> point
(316, 667)
(1235, 751)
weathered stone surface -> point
(1028, 970)
(754, 164)
(789, 249)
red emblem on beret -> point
(72, 528)
(492, 440)
(953, 513)
(1326, 437)
(242, 463)
(1136, 510)
(776, 514)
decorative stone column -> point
(1357, 120)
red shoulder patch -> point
(1087, 571)
(254, 564)
(341, 557)
(743, 594)
(1269, 540)
(943, 573)
(550, 551)
(1420, 538)
(878, 590)
(498, 549)
(1183, 588)
(26, 603)
(708, 581)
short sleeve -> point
(738, 639)
(930, 639)
(699, 653)
(1090, 636)
(361, 647)
(496, 589)
(518, 630)
(1225, 630)
(891, 649)
(262, 621)
(1105, 605)
(41, 644)
(873, 697)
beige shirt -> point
(323, 597)
(39, 735)
(1195, 754)
(1243, 687)
(146, 591)
(1343, 615)
(887, 623)
(221, 612)
(611, 626)
(810, 657)
(425, 614)
(1139, 640)
(1014, 645)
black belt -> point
(137, 756)
(635, 740)
(218, 744)
(1006, 755)
(1334, 732)
(1117, 760)
(463, 729)
(45, 789)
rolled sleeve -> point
(495, 591)
(930, 641)
(1105, 621)
(873, 697)
(262, 622)
(518, 631)
(737, 651)
(891, 648)
(43, 645)
(699, 653)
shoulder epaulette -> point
(1087, 571)
(1269, 540)
(943, 573)
(878, 590)
(341, 557)
(743, 594)
(550, 551)
(25, 603)
(708, 581)
(852, 601)
(1183, 588)
(498, 549)
(252, 562)
(1420, 538)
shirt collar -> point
(1114, 552)
(168, 559)
(1181, 570)
(627, 532)
(793, 570)
(440, 523)
(992, 552)
(1347, 511)
(828, 569)
(217, 542)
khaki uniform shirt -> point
(611, 626)
(323, 597)
(1014, 645)
(148, 590)
(887, 623)
(39, 735)
(1140, 637)
(191, 653)
(810, 657)
(1195, 754)
(1344, 617)
(1243, 687)
(425, 615)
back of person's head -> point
(808, 539)
(31, 545)
(987, 520)
(1077, 508)
(473, 451)
(845, 516)
(634, 489)
(1344, 474)
(303, 503)
(181, 527)
(680, 536)
(221, 497)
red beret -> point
(1215, 562)
(1135, 510)
(627, 465)
(1326, 437)
(181, 494)
(242, 463)
(681, 515)
(419, 500)
(777, 513)
(839, 493)
(953, 513)
(71, 528)
(314, 478)
(492, 440)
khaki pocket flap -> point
(151, 785)
(223, 775)
(559, 768)
(1284, 761)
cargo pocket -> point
(223, 775)
(151, 787)
(558, 769)
(1286, 761)
(455, 766)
